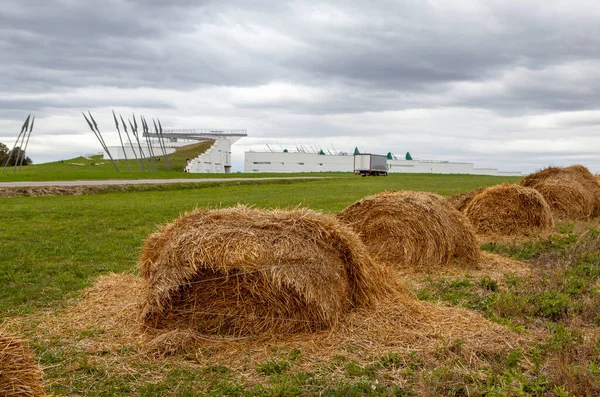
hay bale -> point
(541, 176)
(19, 373)
(243, 271)
(460, 201)
(509, 210)
(415, 230)
(567, 199)
(571, 192)
(588, 181)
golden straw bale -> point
(535, 178)
(571, 192)
(508, 210)
(19, 373)
(587, 179)
(243, 271)
(460, 201)
(416, 230)
(567, 199)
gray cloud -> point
(390, 65)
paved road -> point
(139, 181)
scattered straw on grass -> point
(19, 373)
(493, 266)
(508, 210)
(112, 308)
(242, 271)
(413, 229)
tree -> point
(3, 152)
(16, 154)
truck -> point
(366, 164)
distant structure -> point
(217, 159)
(303, 161)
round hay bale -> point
(567, 199)
(508, 210)
(535, 178)
(243, 271)
(19, 373)
(571, 192)
(589, 183)
(460, 201)
(415, 230)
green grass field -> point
(54, 246)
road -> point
(139, 181)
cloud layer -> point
(502, 84)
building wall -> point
(216, 160)
(296, 162)
(429, 167)
(312, 162)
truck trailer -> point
(366, 164)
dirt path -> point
(139, 181)
(76, 188)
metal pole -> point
(138, 138)
(20, 152)
(149, 142)
(162, 136)
(97, 133)
(162, 145)
(101, 137)
(135, 134)
(130, 143)
(121, 139)
(23, 129)
(27, 143)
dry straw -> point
(460, 201)
(394, 323)
(19, 374)
(415, 230)
(571, 192)
(243, 271)
(508, 210)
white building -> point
(296, 162)
(313, 162)
(216, 160)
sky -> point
(503, 84)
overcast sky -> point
(513, 85)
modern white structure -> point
(217, 159)
(296, 162)
(313, 162)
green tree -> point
(5, 153)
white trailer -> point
(366, 164)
